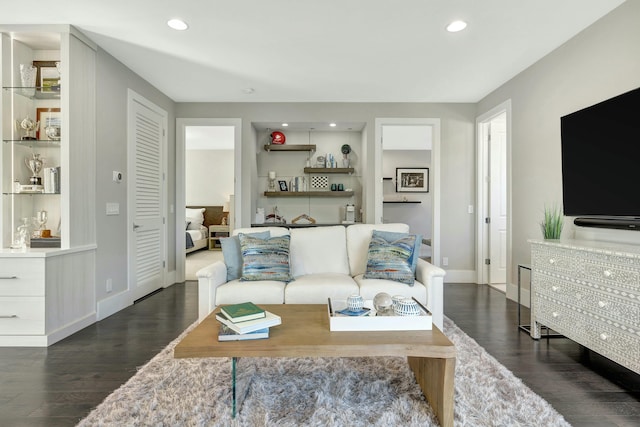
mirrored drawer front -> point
(21, 277)
(22, 315)
(621, 307)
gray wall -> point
(601, 62)
(457, 155)
(113, 81)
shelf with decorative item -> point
(402, 201)
(308, 193)
(35, 92)
(310, 170)
(34, 143)
(290, 147)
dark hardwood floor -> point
(59, 385)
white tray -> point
(372, 322)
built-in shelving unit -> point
(290, 147)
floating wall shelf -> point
(290, 147)
(308, 193)
(329, 170)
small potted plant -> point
(552, 223)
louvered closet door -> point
(147, 242)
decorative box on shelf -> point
(374, 322)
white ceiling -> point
(322, 50)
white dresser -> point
(589, 292)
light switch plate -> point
(113, 208)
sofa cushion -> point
(319, 250)
(262, 292)
(316, 288)
(369, 288)
(265, 259)
(233, 253)
(391, 236)
(390, 260)
(358, 238)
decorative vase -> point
(28, 79)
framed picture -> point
(412, 180)
(283, 185)
(47, 76)
(47, 117)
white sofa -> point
(326, 262)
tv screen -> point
(601, 158)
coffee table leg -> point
(435, 377)
(242, 370)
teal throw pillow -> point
(233, 254)
(391, 236)
(265, 259)
(390, 260)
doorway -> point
(207, 174)
(494, 208)
(432, 127)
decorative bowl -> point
(355, 302)
(407, 307)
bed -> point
(198, 220)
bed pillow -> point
(391, 260)
(265, 259)
(233, 254)
(391, 236)
(195, 217)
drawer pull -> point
(604, 337)
(8, 277)
(607, 273)
(8, 316)
(552, 261)
(554, 288)
(602, 304)
(555, 314)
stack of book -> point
(245, 321)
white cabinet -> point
(47, 294)
(589, 292)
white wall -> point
(208, 177)
(457, 155)
(601, 62)
(111, 122)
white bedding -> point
(198, 234)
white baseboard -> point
(71, 328)
(512, 294)
(47, 340)
(113, 304)
(169, 278)
(460, 276)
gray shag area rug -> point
(379, 391)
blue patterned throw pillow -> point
(391, 260)
(232, 253)
(265, 259)
(391, 236)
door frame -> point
(482, 192)
(180, 203)
(132, 97)
(434, 175)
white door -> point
(498, 199)
(146, 140)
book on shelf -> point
(268, 321)
(242, 312)
(228, 334)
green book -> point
(242, 312)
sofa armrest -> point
(433, 278)
(209, 278)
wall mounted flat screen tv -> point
(601, 159)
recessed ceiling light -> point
(285, 125)
(332, 125)
(177, 24)
(456, 26)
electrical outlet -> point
(470, 209)
(445, 261)
(109, 285)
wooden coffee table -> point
(305, 333)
